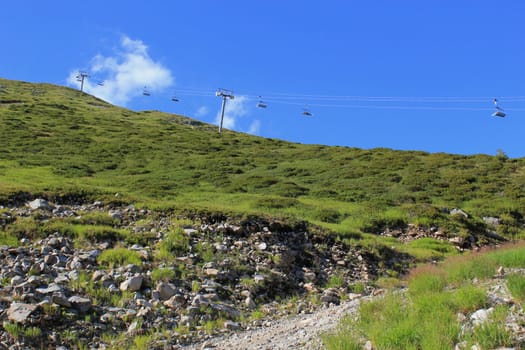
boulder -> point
(166, 290)
(79, 303)
(132, 284)
(19, 312)
(39, 203)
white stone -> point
(132, 284)
(481, 316)
(39, 203)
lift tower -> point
(81, 77)
(225, 94)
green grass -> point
(175, 243)
(116, 257)
(426, 316)
(492, 334)
(163, 274)
(8, 239)
(428, 248)
(516, 285)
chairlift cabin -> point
(261, 103)
(499, 111)
(175, 99)
(307, 113)
(146, 92)
(100, 83)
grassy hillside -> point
(58, 141)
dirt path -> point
(298, 332)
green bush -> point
(176, 242)
(119, 257)
(163, 274)
(8, 239)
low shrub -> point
(119, 257)
(163, 274)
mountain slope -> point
(59, 141)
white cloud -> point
(235, 109)
(255, 126)
(201, 112)
(125, 73)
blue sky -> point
(408, 75)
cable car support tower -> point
(81, 77)
(225, 94)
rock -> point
(132, 284)
(368, 345)
(79, 303)
(310, 287)
(39, 203)
(258, 278)
(228, 310)
(190, 231)
(200, 300)
(211, 272)
(231, 325)
(61, 300)
(489, 220)
(52, 288)
(174, 302)
(112, 288)
(98, 275)
(115, 214)
(221, 247)
(330, 295)
(134, 327)
(19, 312)
(250, 304)
(457, 211)
(107, 317)
(481, 316)
(16, 280)
(50, 259)
(166, 290)
(309, 276)
(456, 240)
(262, 246)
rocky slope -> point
(195, 277)
(221, 277)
